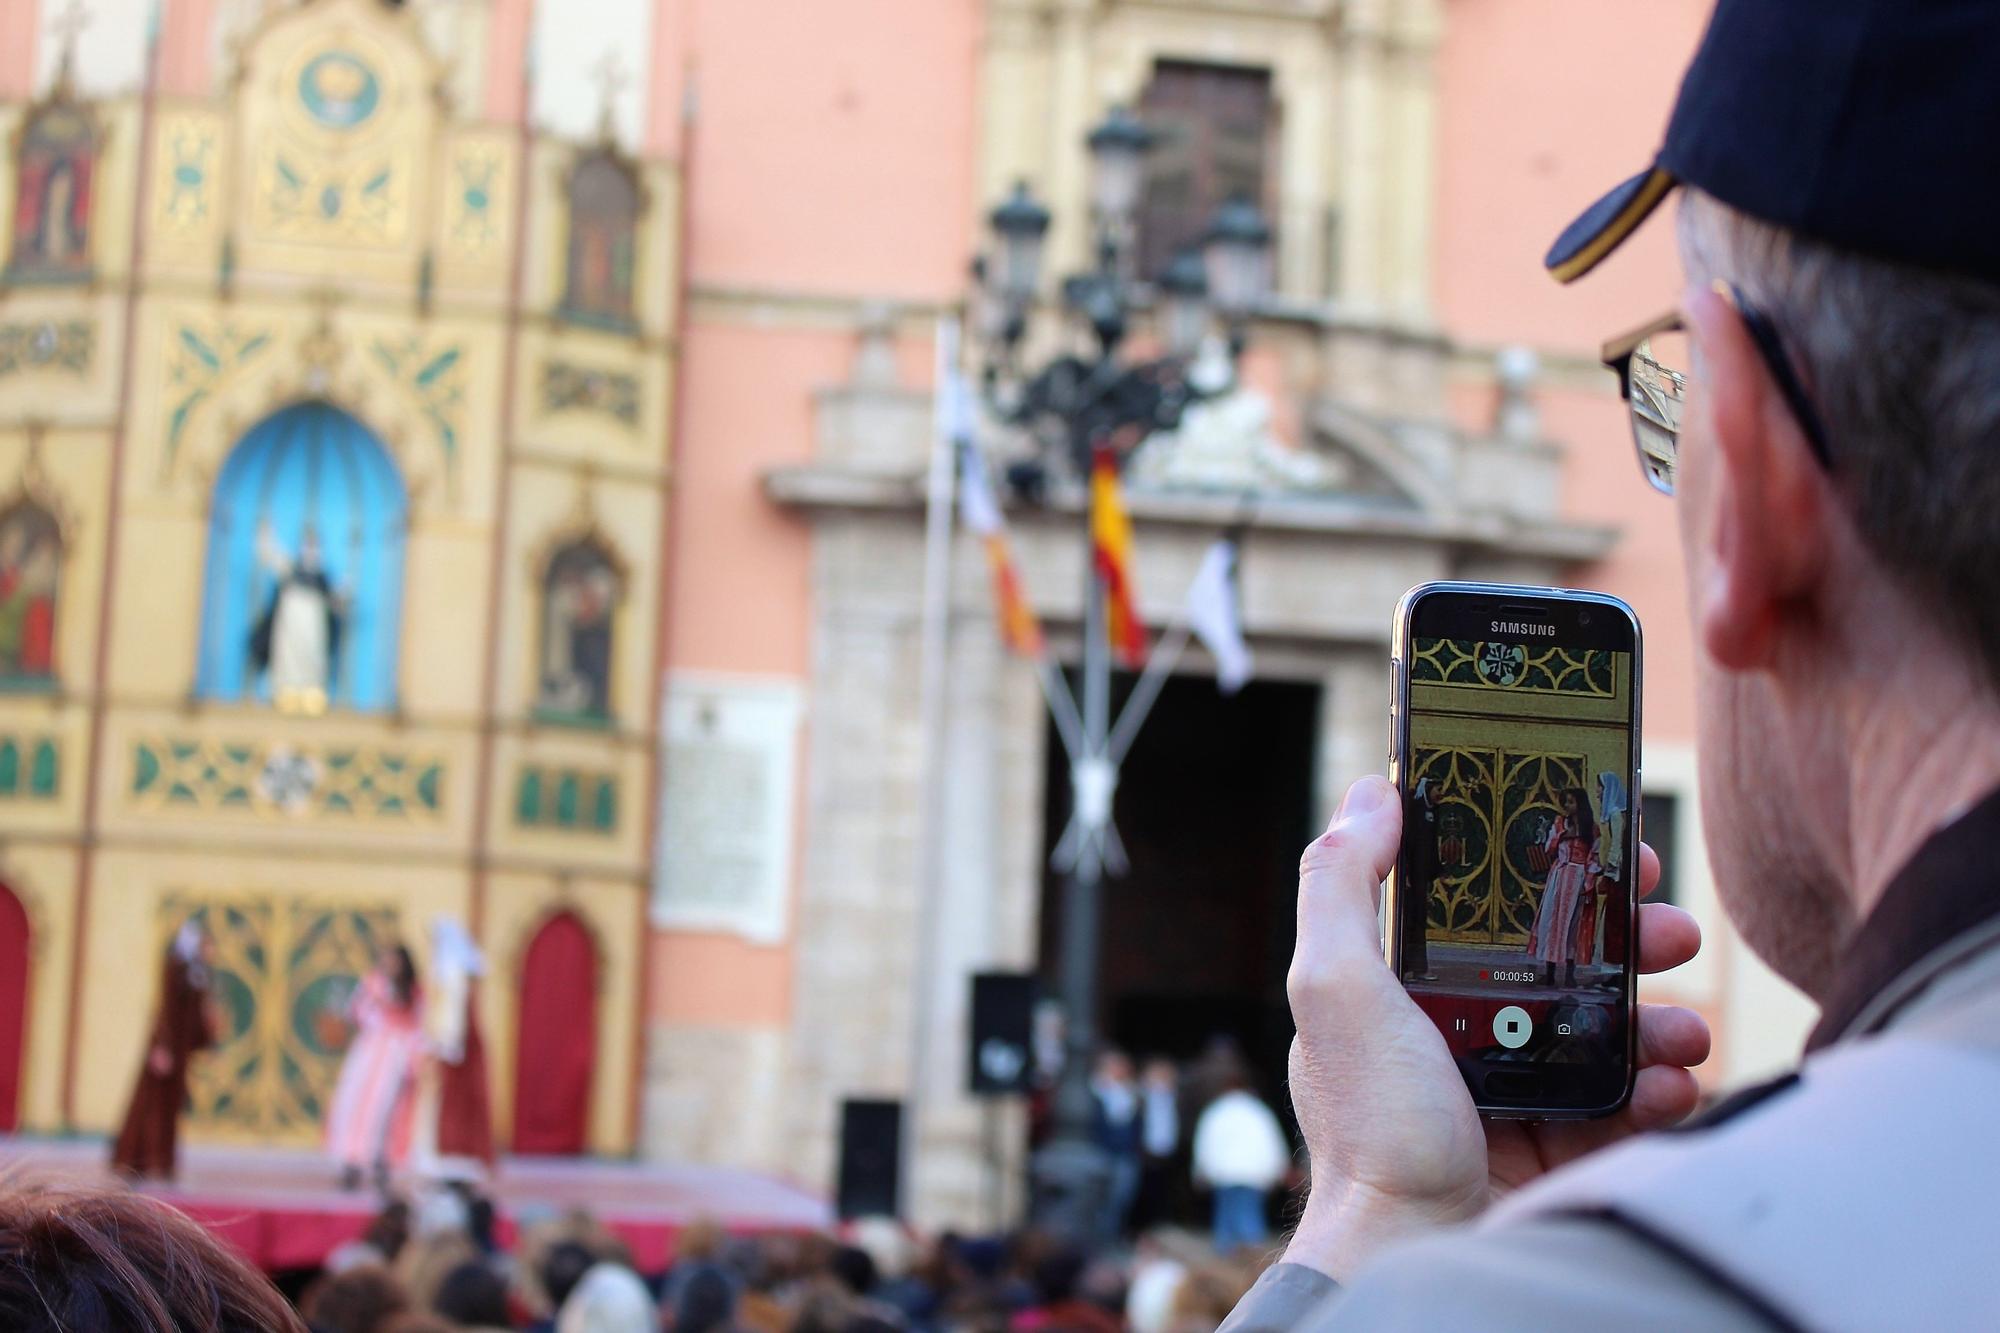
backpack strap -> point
(1864, 1194)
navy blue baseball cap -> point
(1873, 125)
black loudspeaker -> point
(1002, 1058)
(871, 1142)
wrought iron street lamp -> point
(1074, 406)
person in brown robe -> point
(183, 1025)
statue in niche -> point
(297, 639)
(30, 575)
(603, 229)
(579, 599)
(53, 171)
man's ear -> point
(1767, 533)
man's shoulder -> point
(1537, 1274)
(1874, 1159)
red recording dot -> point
(1484, 975)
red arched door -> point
(13, 1005)
(556, 1043)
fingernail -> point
(1364, 797)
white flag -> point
(977, 508)
(1215, 614)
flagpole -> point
(933, 654)
(1160, 664)
(1072, 1173)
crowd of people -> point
(79, 1259)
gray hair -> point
(1903, 366)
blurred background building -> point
(542, 392)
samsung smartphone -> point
(1510, 914)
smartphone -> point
(1510, 916)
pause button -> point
(1512, 1027)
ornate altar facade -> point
(333, 452)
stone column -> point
(1411, 98)
(1363, 157)
(1069, 102)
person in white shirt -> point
(1240, 1151)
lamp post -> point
(1075, 406)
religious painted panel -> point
(284, 969)
(604, 202)
(580, 594)
(55, 167)
(31, 558)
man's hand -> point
(1396, 1146)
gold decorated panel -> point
(243, 775)
(473, 232)
(59, 352)
(337, 118)
(564, 797)
(1498, 779)
(595, 397)
(516, 907)
(44, 746)
(298, 928)
(43, 877)
(189, 193)
(211, 371)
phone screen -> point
(1514, 892)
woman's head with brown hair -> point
(104, 1259)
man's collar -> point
(1944, 891)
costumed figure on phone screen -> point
(1571, 846)
(369, 1125)
(1421, 866)
(1594, 920)
(457, 1119)
(184, 1024)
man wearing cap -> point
(1825, 408)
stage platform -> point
(283, 1209)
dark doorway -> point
(1214, 806)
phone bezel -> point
(1399, 719)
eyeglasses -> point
(1651, 362)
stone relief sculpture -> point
(1225, 442)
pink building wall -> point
(826, 167)
(20, 20)
(1544, 105)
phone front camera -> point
(1583, 617)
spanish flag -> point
(1019, 629)
(1111, 548)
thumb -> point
(1340, 875)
